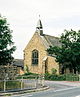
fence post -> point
(43, 80)
(39, 79)
(79, 77)
(35, 82)
(4, 85)
(22, 83)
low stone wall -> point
(8, 72)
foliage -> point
(10, 85)
(8, 72)
(65, 77)
(54, 77)
(53, 71)
(72, 77)
(28, 75)
(6, 43)
(68, 54)
(27, 69)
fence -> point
(24, 82)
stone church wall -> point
(52, 64)
(35, 43)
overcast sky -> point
(56, 15)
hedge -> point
(65, 77)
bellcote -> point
(39, 27)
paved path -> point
(50, 93)
(58, 85)
(57, 89)
(68, 83)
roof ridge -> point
(51, 40)
(47, 39)
(51, 36)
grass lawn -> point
(10, 85)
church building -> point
(36, 58)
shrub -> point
(72, 77)
(28, 75)
(47, 76)
(27, 69)
(53, 71)
(65, 77)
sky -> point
(22, 15)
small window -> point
(35, 57)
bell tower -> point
(39, 27)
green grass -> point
(10, 85)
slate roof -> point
(50, 40)
(18, 62)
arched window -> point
(35, 56)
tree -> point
(68, 55)
(6, 43)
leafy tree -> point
(68, 55)
(6, 43)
